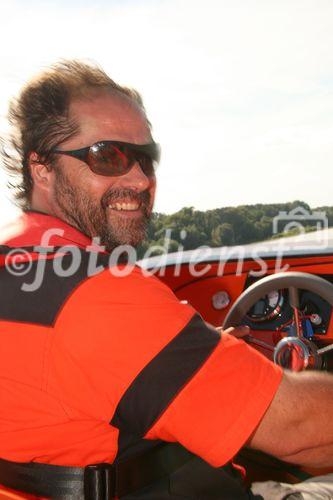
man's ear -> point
(40, 172)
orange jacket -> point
(92, 367)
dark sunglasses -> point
(114, 158)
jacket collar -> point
(34, 228)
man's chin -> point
(128, 233)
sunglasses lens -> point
(108, 159)
(146, 164)
(117, 159)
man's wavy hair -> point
(39, 118)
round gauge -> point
(273, 298)
(220, 300)
(267, 308)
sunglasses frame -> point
(152, 150)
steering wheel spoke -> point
(295, 305)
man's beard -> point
(90, 216)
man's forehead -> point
(115, 115)
(108, 107)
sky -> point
(240, 92)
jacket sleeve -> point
(128, 352)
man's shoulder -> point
(40, 277)
(36, 286)
(122, 282)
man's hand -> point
(238, 331)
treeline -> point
(225, 226)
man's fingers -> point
(238, 331)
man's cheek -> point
(152, 191)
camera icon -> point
(310, 229)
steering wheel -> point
(295, 352)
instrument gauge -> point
(220, 300)
(267, 308)
(273, 298)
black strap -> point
(94, 482)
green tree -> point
(223, 235)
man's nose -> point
(135, 179)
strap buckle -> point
(100, 482)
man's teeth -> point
(125, 206)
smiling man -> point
(97, 368)
(116, 209)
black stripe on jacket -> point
(164, 377)
(42, 305)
